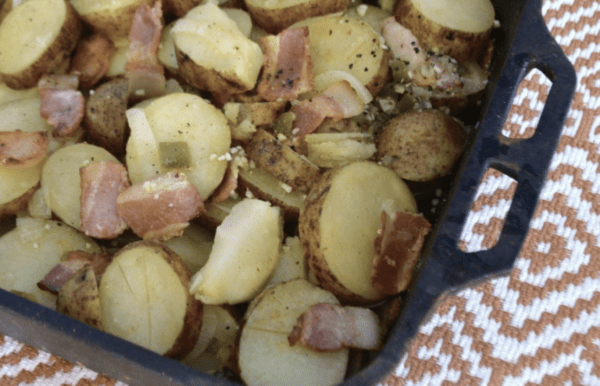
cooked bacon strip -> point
(310, 114)
(62, 105)
(328, 327)
(403, 44)
(101, 183)
(58, 275)
(397, 249)
(143, 70)
(287, 71)
(92, 59)
(160, 208)
(21, 149)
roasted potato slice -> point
(275, 16)
(193, 246)
(347, 44)
(264, 342)
(339, 222)
(78, 297)
(32, 249)
(111, 18)
(144, 298)
(34, 41)
(213, 54)
(61, 178)
(421, 146)
(105, 119)
(178, 132)
(459, 29)
(281, 161)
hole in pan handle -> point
(445, 268)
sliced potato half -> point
(37, 38)
(339, 222)
(144, 299)
(459, 28)
(265, 355)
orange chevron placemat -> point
(538, 326)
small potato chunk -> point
(213, 54)
(105, 119)
(160, 208)
(32, 249)
(245, 253)
(35, 41)
(193, 246)
(459, 29)
(144, 298)
(265, 355)
(339, 222)
(78, 297)
(421, 146)
(281, 161)
(275, 16)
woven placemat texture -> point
(538, 326)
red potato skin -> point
(92, 59)
(101, 183)
(160, 208)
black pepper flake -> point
(416, 50)
(350, 66)
(406, 62)
(366, 69)
(450, 36)
(330, 32)
(359, 55)
(413, 43)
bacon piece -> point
(62, 105)
(98, 261)
(101, 183)
(58, 275)
(397, 250)
(21, 149)
(310, 114)
(328, 327)
(92, 59)
(143, 70)
(160, 208)
(287, 71)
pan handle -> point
(445, 268)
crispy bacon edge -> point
(397, 250)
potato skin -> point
(460, 45)
(13, 207)
(208, 79)
(274, 20)
(105, 118)
(310, 235)
(420, 146)
(54, 58)
(114, 22)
